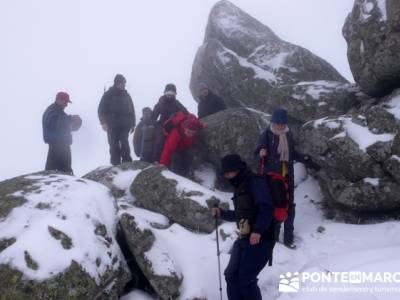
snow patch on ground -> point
(394, 105)
(137, 295)
(206, 176)
(68, 204)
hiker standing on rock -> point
(143, 138)
(209, 102)
(165, 109)
(254, 217)
(276, 150)
(57, 127)
(117, 118)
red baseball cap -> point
(63, 96)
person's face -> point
(189, 132)
(121, 85)
(147, 115)
(204, 92)
(63, 103)
(170, 94)
(279, 126)
(230, 175)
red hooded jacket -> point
(176, 139)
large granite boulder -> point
(57, 239)
(175, 197)
(359, 176)
(117, 178)
(234, 130)
(246, 64)
(152, 256)
(372, 32)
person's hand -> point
(263, 152)
(216, 212)
(132, 129)
(255, 238)
(104, 126)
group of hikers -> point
(164, 134)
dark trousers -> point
(245, 264)
(180, 163)
(59, 157)
(159, 142)
(147, 157)
(119, 145)
(288, 227)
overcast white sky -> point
(78, 46)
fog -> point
(78, 46)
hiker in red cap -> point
(181, 132)
(57, 127)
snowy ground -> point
(323, 246)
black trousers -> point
(159, 142)
(59, 157)
(181, 162)
(119, 145)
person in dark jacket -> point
(276, 149)
(57, 127)
(253, 215)
(209, 102)
(143, 138)
(165, 109)
(117, 118)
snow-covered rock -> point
(350, 151)
(246, 64)
(373, 37)
(179, 199)
(152, 255)
(57, 239)
(117, 178)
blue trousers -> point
(245, 264)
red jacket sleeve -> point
(170, 147)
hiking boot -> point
(291, 245)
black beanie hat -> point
(231, 163)
(119, 78)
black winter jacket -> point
(167, 108)
(209, 105)
(116, 109)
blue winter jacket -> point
(258, 189)
(56, 125)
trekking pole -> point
(218, 253)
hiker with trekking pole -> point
(253, 214)
(277, 155)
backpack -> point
(279, 188)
